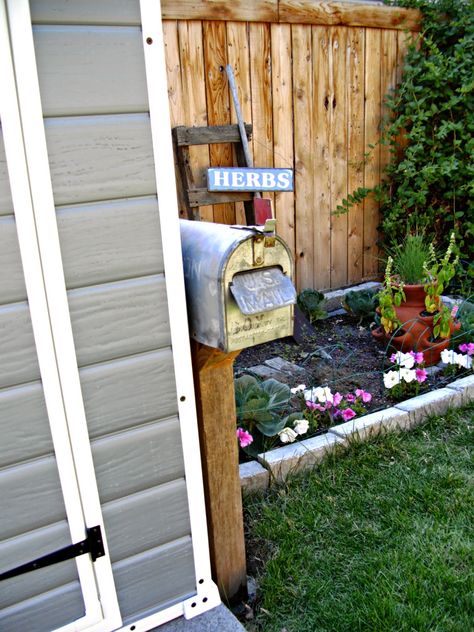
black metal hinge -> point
(93, 545)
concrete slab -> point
(218, 619)
(298, 456)
(253, 477)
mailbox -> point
(239, 285)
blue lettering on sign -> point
(249, 179)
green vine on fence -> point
(430, 179)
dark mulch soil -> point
(338, 352)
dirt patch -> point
(338, 352)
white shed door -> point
(85, 121)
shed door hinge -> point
(93, 545)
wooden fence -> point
(312, 78)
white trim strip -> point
(153, 45)
(50, 316)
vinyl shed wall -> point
(92, 82)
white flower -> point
(405, 360)
(407, 374)
(463, 360)
(321, 393)
(301, 426)
(287, 435)
(448, 356)
(297, 389)
(391, 379)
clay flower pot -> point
(416, 330)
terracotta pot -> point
(417, 328)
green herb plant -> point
(311, 303)
(390, 296)
(362, 304)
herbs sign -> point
(249, 179)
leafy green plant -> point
(430, 131)
(311, 303)
(390, 296)
(260, 407)
(362, 304)
(465, 316)
(410, 257)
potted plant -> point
(412, 314)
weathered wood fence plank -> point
(311, 78)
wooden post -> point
(215, 400)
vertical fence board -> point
(238, 58)
(194, 99)
(338, 150)
(261, 82)
(282, 98)
(372, 166)
(304, 151)
(355, 150)
(321, 162)
(314, 93)
(218, 107)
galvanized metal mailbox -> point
(239, 285)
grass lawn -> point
(379, 538)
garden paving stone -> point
(465, 386)
(253, 476)
(219, 619)
(298, 456)
(432, 403)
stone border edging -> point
(277, 464)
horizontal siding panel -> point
(45, 612)
(144, 521)
(6, 203)
(27, 547)
(100, 243)
(118, 394)
(12, 282)
(119, 319)
(129, 462)
(32, 493)
(86, 12)
(95, 158)
(155, 579)
(90, 70)
(108, 321)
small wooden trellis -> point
(194, 197)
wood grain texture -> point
(338, 153)
(373, 104)
(191, 56)
(389, 62)
(328, 13)
(304, 154)
(355, 150)
(218, 106)
(215, 401)
(94, 158)
(282, 114)
(322, 165)
(90, 70)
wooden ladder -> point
(193, 196)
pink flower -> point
(336, 399)
(394, 358)
(467, 348)
(350, 398)
(348, 413)
(364, 395)
(244, 437)
(454, 311)
(421, 375)
(311, 405)
(417, 356)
